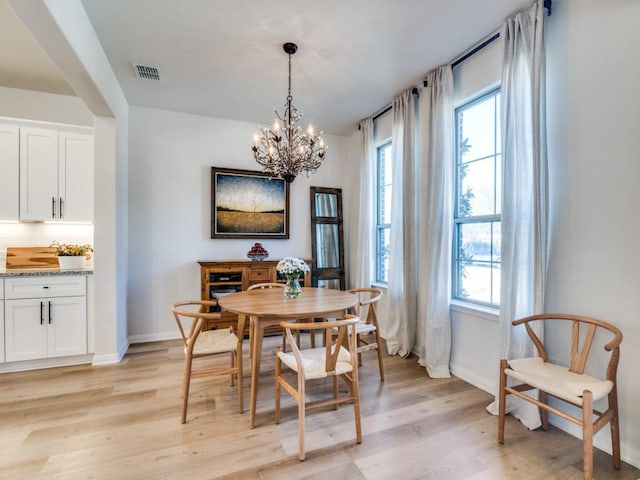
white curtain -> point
(524, 190)
(365, 234)
(435, 206)
(399, 327)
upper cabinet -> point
(56, 175)
(75, 177)
(9, 171)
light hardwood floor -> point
(122, 422)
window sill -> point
(486, 313)
(381, 286)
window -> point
(383, 217)
(476, 276)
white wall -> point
(593, 122)
(593, 105)
(171, 155)
(67, 36)
(44, 107)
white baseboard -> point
(153, 337)
(111, 358)
(44, 363)
(473, 379)
(602, 440)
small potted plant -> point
(72, 257)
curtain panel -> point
(524, 191)
(400, 325)
(435, 207)
(365, 235)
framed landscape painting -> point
(248, 204)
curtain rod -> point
(388, 107)
(547, 4)
(495, 36)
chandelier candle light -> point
(284, 151)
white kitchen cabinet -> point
(1, 321)
(75, 177)
(45, 317)
(38, 173)
(1, 331)
(56, 175)
(9, 171)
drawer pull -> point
(46, 287)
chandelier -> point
(284, 150)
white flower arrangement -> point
(292, 266)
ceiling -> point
(224, 58)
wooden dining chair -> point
(367, 310)
(337, 358)
(569, 384)
(199, 343)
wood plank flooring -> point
(122, 422)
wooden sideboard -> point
(222, 277)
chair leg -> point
(276, 418)
(502, 400)
(312, 338)
(239, 377)
(544, 415)
(355, 393)
(615, 428)
(301, 415)
(233, 364)
(335, 391)
(186, 380)
(379, 351)
(587, 435)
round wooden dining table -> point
(267, 307)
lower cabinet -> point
(45, 328)
(48, 326)
(222, 277)
(2, 330)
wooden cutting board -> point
(31, 257)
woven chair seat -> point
(313, 362)
(557, 380)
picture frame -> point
(248, 204)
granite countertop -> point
(39, 272)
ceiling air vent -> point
(145, 71)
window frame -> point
(459, 221)
(381, 227)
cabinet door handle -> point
(61, 207)
(53, 207)
(41, 313)
(49, 313)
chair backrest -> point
(336, 333)
(579, 353)
(196, 311)
(266, 285)
(368, 297)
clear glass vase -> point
(292, 287)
